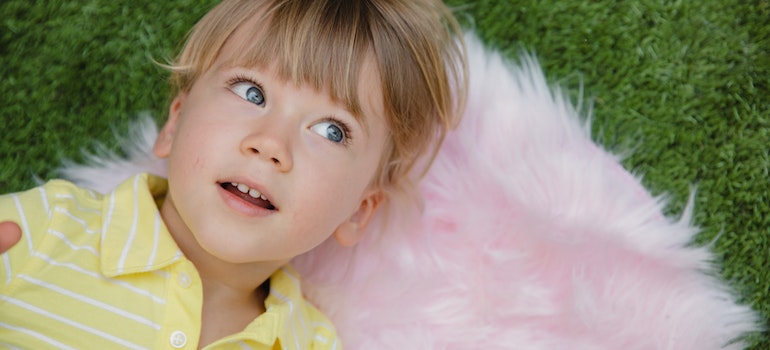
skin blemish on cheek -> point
(199, 163)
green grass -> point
(682, 86)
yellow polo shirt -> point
(102, 272)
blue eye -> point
(333, 131)
(249, 92)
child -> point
(291, 122)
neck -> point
(233, 293)
(234, 281)
(224, 278)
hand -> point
(10, 234)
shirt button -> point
(184, 279)
(178, 339)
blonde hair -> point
(417, 46)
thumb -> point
(10, 234)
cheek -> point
(199, 163)
(185, 159)
(330, 198)
(193, 146)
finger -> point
(10, 234)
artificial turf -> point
(681, 87)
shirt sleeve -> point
(30, 210)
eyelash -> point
(348, 136)
(238, 79)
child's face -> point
(306, 154)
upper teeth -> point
(250, 191)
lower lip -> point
(242, 207)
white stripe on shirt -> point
(38, 336)
(76, 219)
(44, 199)
(244, 346)
(24, 224)
(8, 272)
(93, 274)
(91, 301)
(94, 331)
(77, 204)
(132, 234)
(108, 217)
(301, 316)
(69, 243)
(155, 236)
(289, 318)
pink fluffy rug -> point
(531, 237)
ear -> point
(351, 231)
(162, 147)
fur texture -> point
(531, 237)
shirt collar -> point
(134, 237)
(135, 240)
(286, 315)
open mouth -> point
(248, 195)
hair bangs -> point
(323, 45)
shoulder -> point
(44, 196)
(300, 315)
(34, 207)
(57, 209)
(324, 334)
(35, 211)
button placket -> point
(184, 298)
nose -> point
(270, 145)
